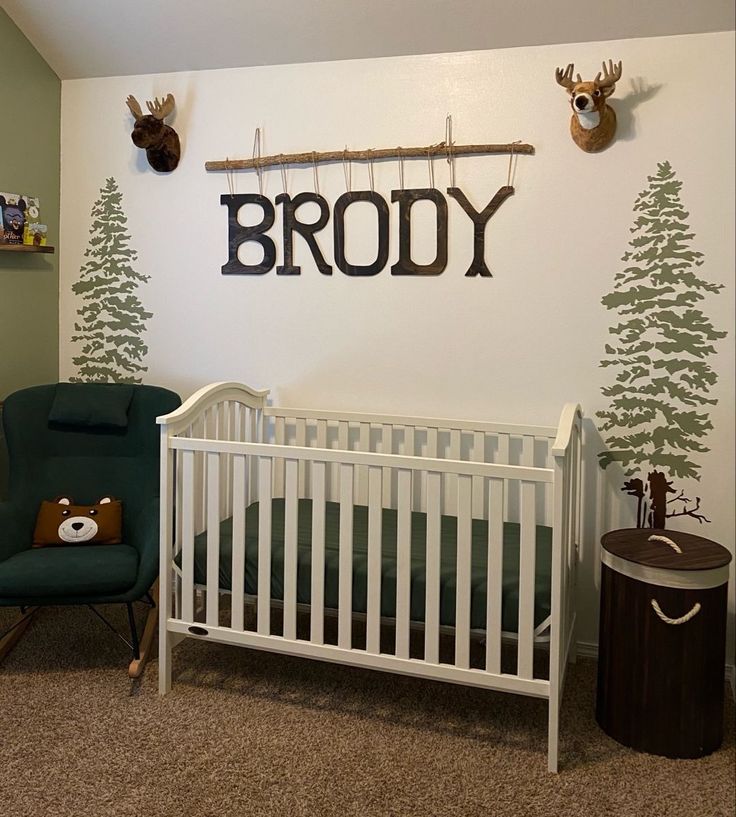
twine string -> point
(370, 170)
(347, 168)
(257, 158)
(284, 179)
(316, 174)
(448, 147)
(229, 176)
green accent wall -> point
(29, 163)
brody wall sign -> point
(238, 234)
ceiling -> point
(94, 38)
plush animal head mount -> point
(14, 218)
(593, 122)
(159, 140)
(61, 522)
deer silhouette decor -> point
(160, 141)
(593, 122)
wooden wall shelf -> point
(25, 248)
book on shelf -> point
(20, 220)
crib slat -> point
(527, 450)
(502, 457)
(373, 626)
(409, 441)
(238, 565)
(477, 454)
(265, 470)
(317, 602)
(364, 444)
(279, 437)
(432, 604)
(253, 436)
(432, 443)
(342, 435)
(213, 539)
(345, 573)
(463, 578)
(321, 433)
(187, 536)
(494, 589)
(527, 559)
(301, 440)
(290, 547)
(403, 564)
(387, 434)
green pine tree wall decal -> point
(657, 417)
(112, 318)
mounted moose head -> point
(160, 141)
(593, 122)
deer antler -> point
(611, 75)
(134, 107)
(161, 109)
(564, 78)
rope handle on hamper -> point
(667, 620)
(657, 538)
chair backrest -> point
(84, 462)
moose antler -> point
(134, 107)
(161, 109)
(611, 75)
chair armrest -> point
(16, 530)
(144, 536)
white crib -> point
(226, 448)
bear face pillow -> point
(61, 522)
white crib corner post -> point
(166, 511)
(557, 625)
(553, 730)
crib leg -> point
(165, 646)
(553, 732)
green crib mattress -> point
(510, 580)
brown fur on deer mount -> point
(160, 141)
(593, 122)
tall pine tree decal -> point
(112, 318)
(657, 417)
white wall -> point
(513, 347)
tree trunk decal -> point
(657, 418)
(112, 318)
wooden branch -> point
(367, 155)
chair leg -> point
(142, 649)
(14, 634)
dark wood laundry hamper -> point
(662, 641)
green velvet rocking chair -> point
(83, 440)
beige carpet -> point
(247, 733)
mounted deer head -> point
(593, 122)
(160, 141)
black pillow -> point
(91, 405)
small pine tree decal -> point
(112, 318)
(656, 421)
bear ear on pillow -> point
(61, 522)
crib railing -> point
(463, 440)
(226, 449)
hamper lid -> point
(637, 545)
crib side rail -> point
(262, 459)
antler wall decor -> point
(593, 122)
(160, 141)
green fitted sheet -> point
(510, 581)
